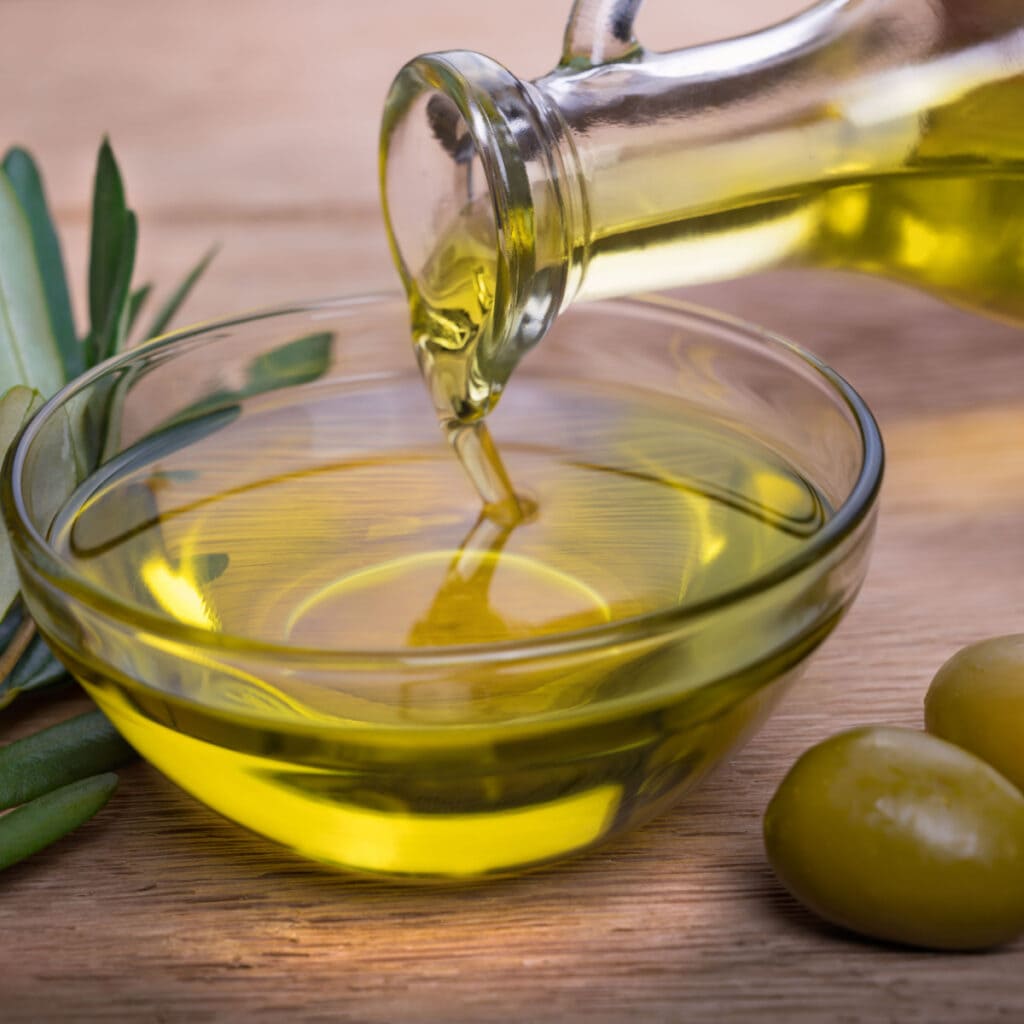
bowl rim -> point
(855, 510)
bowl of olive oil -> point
(252, 545)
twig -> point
(16, 648)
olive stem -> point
(16, 648)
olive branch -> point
(58, 778)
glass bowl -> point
(219, 533)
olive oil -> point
(342, 530)
(456, 340)
(953, 231)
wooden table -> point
(255, 124)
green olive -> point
(976, 701)
(901, 836)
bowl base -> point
(429, 820)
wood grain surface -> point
(254, 123)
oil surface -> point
(316, 526)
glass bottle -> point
(879, 135)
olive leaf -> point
(297, 362)
(180, 294)
(28, 350)
(26, 662)
(66, 752)
(171, 436)
(15, 408)
(136, 301)
(207, 568)
(27, 183)
(39, 351)
(111, 259)
(35, 825)
(301, 361)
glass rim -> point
(854, 510)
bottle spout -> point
(474, 188)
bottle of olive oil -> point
(883, 136)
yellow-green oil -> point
(341, 529)
(954, 232)
(917, 176)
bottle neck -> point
(732, 157)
